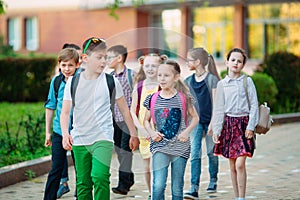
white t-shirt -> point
(92, 117)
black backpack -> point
(57, 81)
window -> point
(14, 33)
(31, 27)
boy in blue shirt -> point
(68, 61)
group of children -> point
(153, 111)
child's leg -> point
(233, 175)
(65, 175)
(147, 173)
(240, 165)
(160, 164)
(83, 163)
(54, 176)
(102, 155)
(177, 180)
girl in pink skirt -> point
(234, 120)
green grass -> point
(28, 143)
(13, 113)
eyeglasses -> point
(94, 40)
(190, 60)
(111, 57)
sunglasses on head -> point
(94, 40)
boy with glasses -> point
(116, 57)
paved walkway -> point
(273, 173)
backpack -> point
(110, 83)
(264, 118)
(139, 91)
(153, 101)
(57, 81)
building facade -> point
(168, 26)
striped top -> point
(163, 114)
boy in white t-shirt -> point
(92, 135)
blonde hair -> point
(206, 60)
(141, 74)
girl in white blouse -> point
(233, 121)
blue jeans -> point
(58, 160)
(160, 165)
(200, 132)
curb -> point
(13, 174)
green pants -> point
(92, 163)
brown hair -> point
(68, 54)
(93, 44)
(120, 50)
(141, 74)
(238, 50)
(206, 60)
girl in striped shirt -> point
(170, 142)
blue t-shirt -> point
(56, 104)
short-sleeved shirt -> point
(92, 117)
(170, 122)
(127, 90)
(54, 103)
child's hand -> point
(249, 134)
(67, 142)
(209, 132)
(215, 139)
(157, 136)
(48, 141)
(183, 136)
(134, 143)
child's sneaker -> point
(62, 190)
(212, 188)
(191, 195)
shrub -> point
(25, 79)
(284, 68)
(265, 87)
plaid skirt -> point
(233, 142)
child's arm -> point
(218, 112)
(64, 123)
(155, 136)
(136, 121)
(49, 117)
(123, 107)
(184, 135)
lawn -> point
(22, 130)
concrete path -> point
(273, 173)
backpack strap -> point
(152, 104)
(246, 90)
(57, 81)
(74, 84)
(112, 92)
(129, 77)
(183, 102)
(139, 91)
